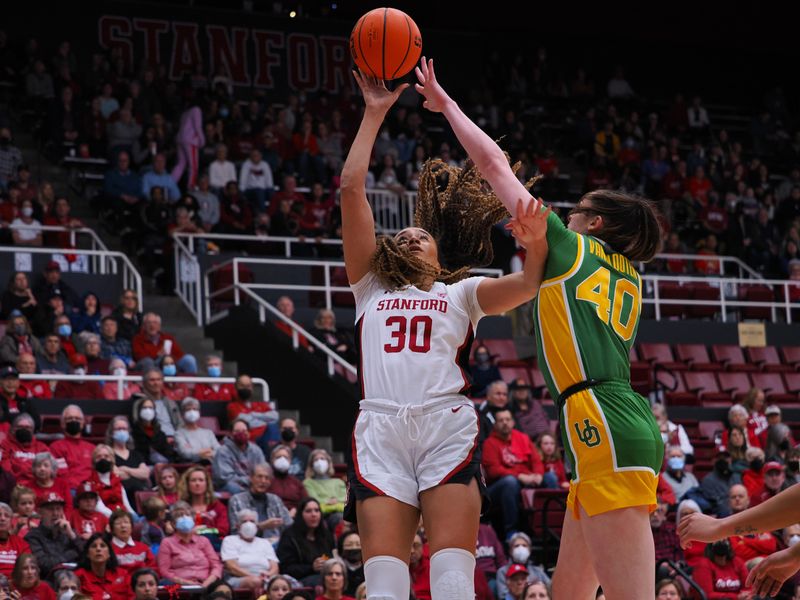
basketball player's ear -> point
(595, 224)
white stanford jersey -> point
(414, 345)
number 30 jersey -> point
(414, 345)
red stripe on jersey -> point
(467, 460)
(359, 350)
(359, 476)
(462, 360)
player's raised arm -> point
(358, 225)
(483, 150)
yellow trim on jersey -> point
(558, 338)
(572, 270)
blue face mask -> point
(169, 370)
(64, 330)
(676, 463)
(184, 524)
(121, 436)
(214, 371)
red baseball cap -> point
(85, 489)
(773, 465)
(516, 569)
(50, 498)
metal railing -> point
(108, 263)
(187, 279)
(728, 292)
(121, 380)
(743, 268)
(78, 237)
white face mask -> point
(27, 211)
(281, 464)
(67, 595)
(79, 371)
(147, 414)
(793, 540)
(122, 371)
(248, 530)
(191, 416)
(321, 466)
(520, 554)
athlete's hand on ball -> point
(530, 225)
(435, 96)
(698, 527)
(768, 576)
(376, 96)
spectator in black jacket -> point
(52, 285)
(127, 315)
(12, 402)
(484, 372)
(53, 542)
(306, 545)
(18, 296)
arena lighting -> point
(292, 14)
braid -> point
(458, 209)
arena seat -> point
(705, 385)
(710, 429)
(545, 511)
(756, 293)
(538, 384)
(660, 354)
(675, 391)
(509, 374)
(504, 352)
(774, 388)
(673, 291)
(791, 356)
(731, 357)
(703, 291)
(696, 357)
(735, 383)
(767, 359)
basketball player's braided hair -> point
(458, 209)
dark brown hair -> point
(630, 223)
(458, 209)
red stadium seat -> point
(767, 359)
(791, 356)
(672, 291)
(696, 357)
(710, 429)
(675, 391)
(704, 450)
(773, 386)
(538, 385)
(211, 423)
(704, 384)
(756, 293)
(98, 424)
(691, 426)
(509, 374)
(504, 352)
(545, 509)
(141, 497)
(792, 381)
(731, 357)
(641, 373)
(737, 384)
(661, 355)
(703, 291)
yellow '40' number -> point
(595, 289)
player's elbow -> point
(350, 183)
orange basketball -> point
(385, 43)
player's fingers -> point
(776, 587)
(400, 89)
(430, 70)
(420, 76)
(547, 212)
(423, 64)
(520, 208)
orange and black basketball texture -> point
(385, 43)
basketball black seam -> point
(383, 48)
(360, 49)
(408, 48)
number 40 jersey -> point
(414, 345)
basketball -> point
(385, 43)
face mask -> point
(120, 371)
(719, 549)
(184, 524)
(482, 358)
(103, 465)
(121, 436)
(722, 467)
(757, 464)
(67, 595)
(24, 436)
(794, 540)
(287, 435)
(520, 555)
(79, 371)
(169, 370)
(214, 371)
(20, 329)
(64, 330)
(73, 427)
(244, 393)
(281, 464)
(676, 463)
(241, 437)
(352, 556)
(248, 530)
(147, 414)
(27, 211)
(191, 416)
(321, 466)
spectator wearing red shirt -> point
(26, 578)
(26, 365)
(714, 216)
(220, 392)
(11, 546)
(286, 487)
(511, 462)
(131, 555)
(555, 475)
(316, 213)
(107, 483)
(73, 453)
(288, 192)
(419, 567)
(87, 520)
(210, 515)
(44, 479)
(722, 575)
(285, 306)
(309, 163)
(258, 415)
(151, 344)
(235, 213)
(708, 247)
(20, 448)
(699, 186)
(80, 389)
(99, 572)
(63, 327)
(60, 217)
(738, 417)
(676, 182)
(774, 483)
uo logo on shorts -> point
(589, 435)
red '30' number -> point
(401, 325)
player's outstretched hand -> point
(435, 96)
(376, 95)
(768, 576)
(698, 527)
(529, 226)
